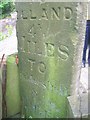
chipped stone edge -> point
(81, 25)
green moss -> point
(56, 103)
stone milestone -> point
(48, 42)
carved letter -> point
(44, 14)
(67, 13)
(55, 13)
(31, 63)
(24, 14)
(32, 15)
(50, 49)
(41, 67)
(32, 31)
(31, 47)
(64, 52)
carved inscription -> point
(32, 15)
(41, 67)
(46, 52)
(55, 13)
(50, 49)
(52, 14)
(67, 13)
(63, 52)
(44, 14)
(31, 46)
(33, 81)
(24, 14)
(35, 32)
(32, 62)
(32, 31)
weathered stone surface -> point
(49, 45)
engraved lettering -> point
(24, 14)
(31, 47)
(33, 81)
(32, 31)
(39, 25)
(50, 49)
(44, 14)
(32, 62)
(55, 13)
(63, 52)
(67, 13)
(32, 15)
(41, 67)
